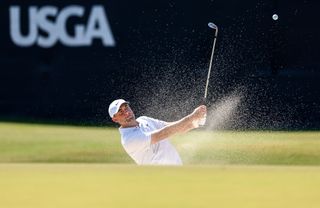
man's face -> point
(124, 115)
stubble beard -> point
(129, 119)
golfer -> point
(146, 139)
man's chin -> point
(130, 119)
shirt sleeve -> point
(137, 141)
(159, 123)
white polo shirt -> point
(137, 143)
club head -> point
(212, 25)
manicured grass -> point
(54, 143)
(60, 144)
(223, 169)
(121, 186)
(260, 147)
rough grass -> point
(272, 148)
(69, 144)
(53, 143)
(209, 179)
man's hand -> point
(198, 113)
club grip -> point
(202, 122)
(203, 101)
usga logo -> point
(53, 23)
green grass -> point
(54, 143)
(282, 148)
(121, 186)
(70, 144)
(223, 169)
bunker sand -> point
(101, 185)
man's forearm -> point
(181, 126)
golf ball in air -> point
(275, 17)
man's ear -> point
(114, 119)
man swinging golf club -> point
(146, 139)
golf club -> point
(212, 26)
(215, 27)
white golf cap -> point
(115, 105)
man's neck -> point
(130, 124)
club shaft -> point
(210, 64)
